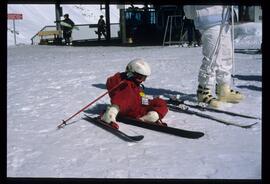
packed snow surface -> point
(46, 84)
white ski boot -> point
(204, 95)
(226, 94)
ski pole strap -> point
(161, 123)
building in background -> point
(141, 24)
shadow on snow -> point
(159, 91)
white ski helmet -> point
(138, 66)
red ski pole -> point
(65, 121)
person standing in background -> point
(67, 25)
(101, 28)
(189, 24)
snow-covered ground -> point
(248, 35)
(46, 84)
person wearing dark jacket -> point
(67, 25)
(189, 23)
(101, 27)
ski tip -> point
(197, 136)
(111, 128)
(249, 126)
(201, 134)
(137, 138)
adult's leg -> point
(224, 67)
(224, 61)
(207, 72)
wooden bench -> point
(44, 34)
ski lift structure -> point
(174, 31)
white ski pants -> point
(216, 66)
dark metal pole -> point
(57, 15)
(107, 14)
(14, 31)
(123, 26)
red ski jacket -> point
(130, 98)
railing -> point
(36, 39)
(84, 32)
(174, 31)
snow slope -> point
(35, 17)
(46, 87)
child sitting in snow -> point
(129, 100)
